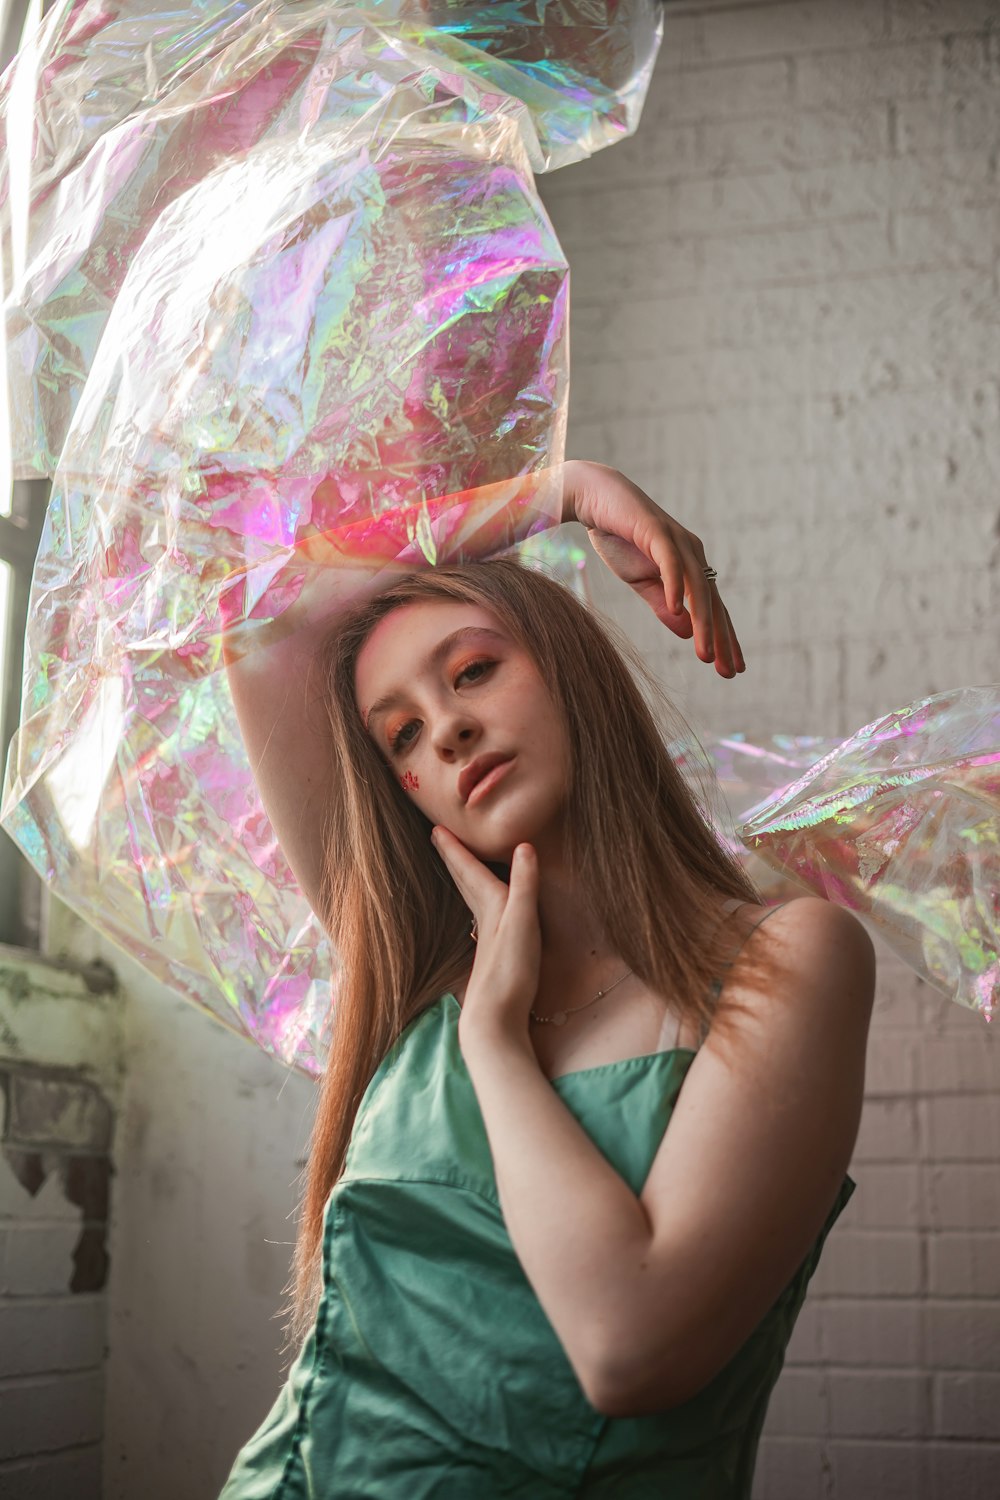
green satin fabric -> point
(432, 1370)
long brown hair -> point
(643, 853)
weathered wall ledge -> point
(61, 1074)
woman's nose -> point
(455, 734)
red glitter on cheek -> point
(410, 782)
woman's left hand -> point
(660, 560)
(504, 980)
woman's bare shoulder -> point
(813, 927)
(817, 917)
(823, 957)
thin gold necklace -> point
(559, 1017)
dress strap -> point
(716, 988)
(669, 1032)
(759, 923)
(671, 1028)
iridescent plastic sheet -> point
(135, 106)
(292, 297)
(902, 824)
(745, 772)
(283, 304)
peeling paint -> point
(90, 1260)
(17, 985)
(35, 975)
(62, 1015)
(55, 1106)
(87, 1184)
(28, 1167)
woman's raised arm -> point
(275, 691)
(273, 666)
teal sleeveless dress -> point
(432, 1372)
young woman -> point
(586, 1120)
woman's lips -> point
(485, 783)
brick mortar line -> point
(986, 1092)
(29, 1460)
(831, 1439)
(55, 1372)
(18, 1299)
(920, 1300)
(27, 1221)
(716, 347)
(662, 299)
(761, 231)
(39, 1378)
(582, 413)
(904, 388)
(52, 1299)
(871, 1373)
(893, 1299)
(698, 66)
(778, 226)
(859, 1232)
(860, 1164)
(749, 172)
(815, 278)
(966, 1233)
(932, 1233)
(712, 179)
(724, 7)
(795, 109)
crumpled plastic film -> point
(283, 308)
(733, 774)
(292, 302)
(901, 823)
(133, 107)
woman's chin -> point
(500, 851)
(495, 841)
(494, 852)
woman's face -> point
(444, 691)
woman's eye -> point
(478, 667)
(400, 739)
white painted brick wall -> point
(786, 324)
(59, 1057)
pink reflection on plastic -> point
(287, 315)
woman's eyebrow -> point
(431, 661)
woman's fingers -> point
(478, 886)
(738, 657)
(729, 658)
(522, 898)
(660, 560)
(706, 617)
(669, 563)
(680, 559)
(699, 593)
(519, 927)
(725, 663)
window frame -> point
(20, 886)
(23, 897)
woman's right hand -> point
(656, 556)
